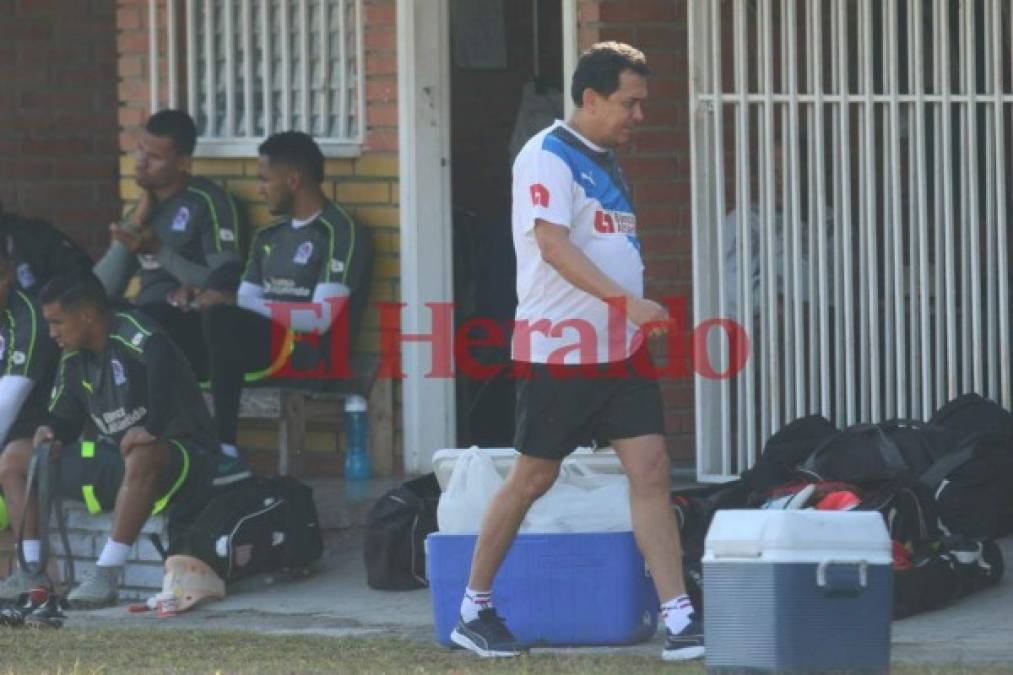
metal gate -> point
(850, 172)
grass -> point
(107, 651)
(77, 651)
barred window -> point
(245, 69)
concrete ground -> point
(336, 601)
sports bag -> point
(256, 526)
(396, 529)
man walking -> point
(577, 253)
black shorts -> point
(560, 408)
(92, 472)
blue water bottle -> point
(357, 466)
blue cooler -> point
(796, 591)
(552, 589)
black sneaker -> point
(685, 645)
(486, 636)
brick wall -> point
(57, 114)
(366, 186)
(658, 166)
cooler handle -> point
(839, 584)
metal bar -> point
(192, 102)
(360, 78)
(875, 405)
(965, 206)
(324, 110)
(210, 90)
(304, 67)
(171, 56)
(913, 319)
(154, 57)
(833, 256)
(821, 219)
(923, 209)
(701, 181)
(791, 146)
(991, 385)
(343, 63)
(1002, 235)
(762, 346)
(939, 220)
(843, 237)
(815, 373)
(769, 218)
(267, 94)
(787, 260)
(842, 98)
(953, 384)
(746, 430)
(230, 70)
(719, 208)
(286, 65)
(971, 250)
(864, 119)
(897, 216)
(249, 122)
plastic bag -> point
(579, 501)
(582, 502)
(472, 485)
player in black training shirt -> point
(183, 237)
(317, 257)
(38, 251)
(28, 359)
(155, 435)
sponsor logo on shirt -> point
(149, 263)
(18, 358)
(285, 287)
(614, 222)
(119, 375)
(137, 339)
(337, 266)
(181, 219)
(25, 276)
(539, 195)
(586, 177)
(119, 420)
(227, 235)
(303, 253)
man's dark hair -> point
(176, 125)
(296, 150)
(599, 67)
(74, 291)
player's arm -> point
(558, 251)
(66, 405)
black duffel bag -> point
(396, 529)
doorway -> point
(506, 69)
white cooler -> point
(797, 591)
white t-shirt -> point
(565, 179)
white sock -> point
(31, 547)
(114, 554)
(473, 603)
(229, 450)
(677, 612)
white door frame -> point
(428, 405)
(423, 48)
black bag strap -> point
(949, 463)
(889, 451)
(42, 470)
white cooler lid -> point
(769, 535)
